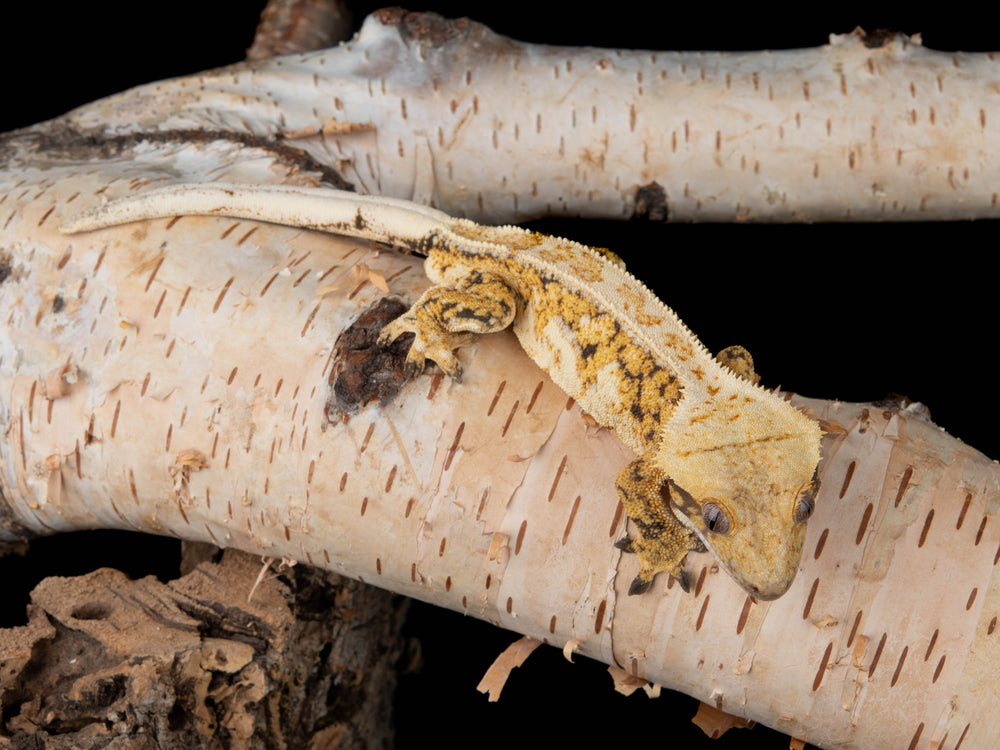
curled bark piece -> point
(626, 684)
(512, 657)
(568, 649)
(58, 381)
(716, 723)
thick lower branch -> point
(175, 377)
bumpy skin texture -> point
(722, 463)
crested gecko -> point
(721, 462)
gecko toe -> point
(683, 580)
(414, 364)
(448, 363)
(392, 331)
(639, 585)
(626, 544)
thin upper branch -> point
(868, 127)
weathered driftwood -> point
(194, 663)
(177, 377)
(868, 127)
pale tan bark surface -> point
(197, 403)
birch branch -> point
(868, 127)
(178, 377)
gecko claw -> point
(626, 544)
(639, 585)
(683, 579)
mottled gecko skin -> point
(721, 462)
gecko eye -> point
(715, 518)
(804, 506)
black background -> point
(844, 311)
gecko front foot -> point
(446, 318)
(664, 541)
(430, 341)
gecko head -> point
(748, 499)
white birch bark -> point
(446, 112)
(172, 377)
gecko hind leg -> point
(664, 541)
(739, 361)
(446, 318)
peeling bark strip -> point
(835, 661)
(868, 127)
(55, 140)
